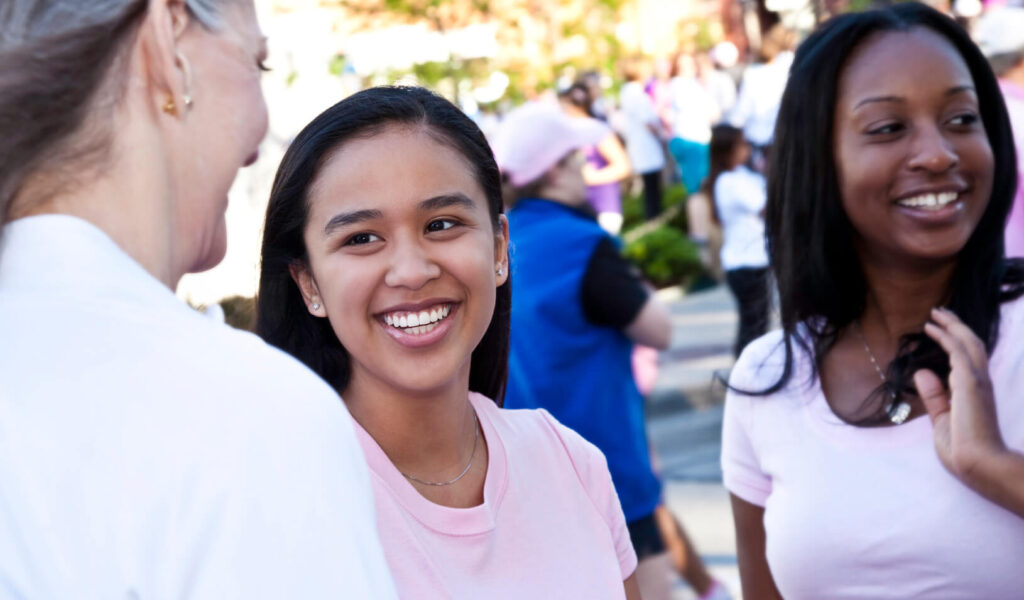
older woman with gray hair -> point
(146, 451)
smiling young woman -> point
(385, 269)
(873, 465)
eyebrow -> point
(445, 200)
(350, 218)
(358, 216)
(950, 92)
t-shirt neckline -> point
(444, 519)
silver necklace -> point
(476, 438)
(898, 410)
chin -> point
(214, 252)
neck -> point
(421, 433)
(900, 299)
(128, 198)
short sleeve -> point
(612, 292)
(741, 471)
(592, 469)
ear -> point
(501, 266)
(303, 278)
(162, 70)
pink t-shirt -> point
(854, 512)
(550, 525)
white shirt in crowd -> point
(760, 95)
(694, 110)
(740, 199)
(149, 452)
(642, 146)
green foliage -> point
(665, 256)
(674, 196)
(240, 312)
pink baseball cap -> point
(535, 136)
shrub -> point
(665, 256)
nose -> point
(933, 151)
(410, 266)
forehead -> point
(896, 60)
(402, 163)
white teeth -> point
(930, 201)
(417, 322)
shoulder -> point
(761, 363)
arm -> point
(967, 436)
(632, 589)
(755, 576)
(652, 326)
(617, 168)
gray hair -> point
(57, 55)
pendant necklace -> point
(897, 410)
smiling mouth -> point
(930, 201)
(418, 322)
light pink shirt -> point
(550, 525)
(1014, 95)
(854, 512)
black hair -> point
(722, 148)
(810, 239)
(281, 315)
(578, 94)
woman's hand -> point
(967, 437)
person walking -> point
(146, 451)
(738, 195)
(643, 133)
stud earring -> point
(170, 107)
(501, 270)
(316, 306)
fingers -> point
(932, 393)
(963, 335)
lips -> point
(418, 325)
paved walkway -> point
(684, 426)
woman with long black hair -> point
(873, 446)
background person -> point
(1000, 34)
(738, 195)
(579, 309)
(607, 163)
(643, 132)
(147, 451)
(874, 416)
(401, 301)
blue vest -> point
(580, 372)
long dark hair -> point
(281, 316)
(722, 148)
(810, 239)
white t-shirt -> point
(693, 110)
(642, 146)
(757, 106)
(853, 512)
(149, 452)
(740, 198)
